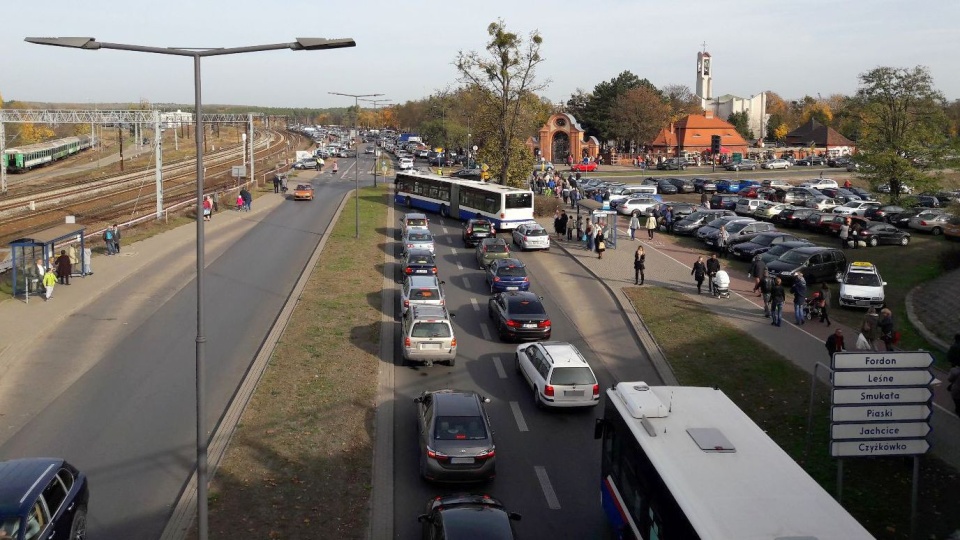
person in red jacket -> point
(834, 343)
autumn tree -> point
(507, 75)
(819, 111)
(741, 121)
(902, 128)
(593, 110)
(681, 100)
(639, 114)
(31, 133)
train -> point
(27, 157)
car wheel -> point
(516, 362)
(936, 231)
(873, 242)
(444, 211)
(905, 240)
(536, 398)
(78, 528)
(452, 362)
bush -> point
(546, 206)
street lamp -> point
(301, 44)
(356, 155)
(376, 152)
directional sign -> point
(867, 413)
(864, 396)
(875, 360)
(883, 377)
(906, 447)
(893, 430)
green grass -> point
(775, 394)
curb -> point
(921, 328)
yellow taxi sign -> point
(862, 264)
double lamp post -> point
(301, 44)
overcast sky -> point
(405, 50)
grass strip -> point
(775, 394)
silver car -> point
(558, 375)
(420, 290)
(418, 239)
(427, 335)
(931, 221)
(531, 236)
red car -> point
(750, 192)
(584, 167)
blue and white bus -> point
(505, 206)
(685, 462)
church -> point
(723, 106)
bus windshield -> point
(519, 200)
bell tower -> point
(704, 78)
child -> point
(49, 280)
(240, 203)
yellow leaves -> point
(780, 132)
(32, 133)
(819, 111)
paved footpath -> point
(668, 265)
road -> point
(121, 400)
(548, 463)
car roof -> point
(811, 250)
(509, 261)
(512, 297)
(563, 354)
(417, 252)
(456, 403)
(414, 215)
(862, 266)
(427, 311)
(22, 480)
(423, 281)
(495, 240)
(476, 521)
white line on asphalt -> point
(466, 284)
(502, 374)
(459, 264)
(342, 176)
(453, 250)
(445, 231)
(485, 330)
(476, 305)
(547, 488)
(518, 416)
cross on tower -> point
(704, 46)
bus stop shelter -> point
(43, 245)
(600, 213)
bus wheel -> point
(444, 211)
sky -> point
(406, 50)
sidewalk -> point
(668, 265)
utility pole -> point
(356, 163)
(376, 151)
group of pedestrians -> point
(594, 236)
(111, 239)
(244, 200)
(57, 272)
(280, 183)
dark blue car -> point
(507, 275)
(42, 498)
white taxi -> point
(861, 286)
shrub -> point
(546, 206)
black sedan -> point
(666, 187)
(882, 213)
(884, 233)
(418, 262)
(475, 230)
(519, 315)
(761, 243)
(42, 498)
(456, 439)
(684, 185)
(467, 516)
(779, 250)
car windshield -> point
(572, 375)
(496, 248)
(303, 187)
(519, 200)
(763, 240)
(427, 293)
(794, 258)
(421, 259)
(481, 227)
(512, 271)
(737, 226)
(431, 329)
(416, 223)
(526, 307)
(863, 279)
(420, 237)
(453, 428)
(717, 223)
(535, 232)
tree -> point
(593, 110)
(32, 133)
(639, 114)
(507, 74)
(818, 111)
(741, 121)
(902, 128)
(780, 131)
(681, 100)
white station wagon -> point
(531, 236)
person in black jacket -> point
(699, 272)
(639, 264)
(757, 269)
(835, 343)
(777, 297)
(713, 266)
(765, 288)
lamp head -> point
(70, 42)
(314, 44)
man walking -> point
(713, 266)
(844, 233)
(835, 343)
(757, 270)
(276, 183)
(765, 287)
(116, 238)
(777, 297)
(799, 290)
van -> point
(427, 336)
(747, 207)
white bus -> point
(505, 206)
(685, 462)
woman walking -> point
(651, 225)
(723, 241)
(634, 225)
(699, 273)
(823, 302)
(870, 328)
(601, 245)
(639, 262)
(886, 328)
(590, 234)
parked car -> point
(665, 187)
(418, 262)
(810, 160)
(856, 208)
(711, 229)
(776, 182)
(531, 236)
(836, 221)
(306, 163)
(820, 183)
(518, 315)
(684, 185)
(746, 207)
(680, 209)
(776, 164)
(742, 165)
(672, 164)
(728, 186)
(507, 275)
(884, 233)
(724, 202)
(740, 231)
(816, 263)
(821, 203)
(861, 286)
(450, 517)
(491, 249)
(864, 194)
(420, 290)
(777, 251)
(793, 216)
(691, 223)
(456, 438)
(818, 221)
(927, 201)
(761, 243)
(952, 228)
(799, 195)
(701, 185)
(637, 205)
(475, 230)
(584, 167)
(930, 221)
(558, 374)
(43, 498)
(904, 189)
(882, 213)
(769, 210)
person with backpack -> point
(108, 240)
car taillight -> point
(434, 269)
(486, 454)
(442, 302)
(544, 324)
(409, 245)
(525, 278)
(406, 342)
(408, 270)
(496, 279)
(406, 303)
(513, 324)
(453, 342)
(548, 390)
(596, 390)
(469, 230)
(439, 456)
(923, 223)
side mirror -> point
(884, 283)
(418, 399)
(424, 517)
(514, 516)
(486, 400)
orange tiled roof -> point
(695, 130)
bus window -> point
(519, 200)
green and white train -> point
(27, 157)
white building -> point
(723, 106)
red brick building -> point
(693, 133)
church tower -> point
(704, 80)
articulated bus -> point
(686, 463)
(505, 206)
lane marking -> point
(450, 240)
(485, 330)
(503, 375)
(445, 231)
(518, 416)
(466, 283)
(547, 488)
(453, 250)
(459, 264)
(476, 305)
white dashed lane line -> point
(547, 488)
(485, 330)
(466, 284)
(518, 416)
(476, 305)
(502, 374)
(445, 231)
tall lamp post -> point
(356, 162)
(376, 152)
(301, 44)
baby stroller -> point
(811, 307)
(721, 284)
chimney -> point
(708, 114)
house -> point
(694, 132)
(815, 135)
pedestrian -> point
(564, 221)
(668, 219)
(283, 184)
(208, 207)
(639, 265)
(699, 272)
(651, 225)
(556, 222)
(777, 297)
(336, 168)
(590, 234)
(634, 225)
(108, 240)
(844, 233)
(704, 199)
(713, 266)
(835, 343)
(247, 199)
(757, 270)
(116, 238)
(49, 280)
(954, 387)
(276, 183)
(239, 203)
(765, 287)
(953, 355)
(319, 164)
(799, 290)
(64, 267)
(887, 335)
(855, 234)
(601, 245)
(823, 302)
(723, 241)
(870, 327)
(579, 223)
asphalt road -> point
(129, 421)
(548, 463)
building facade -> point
(723, 106)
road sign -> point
(883, 377)
(876, 360)
(906, 447)
(864, 396)
(893, 430)
(867, 413)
